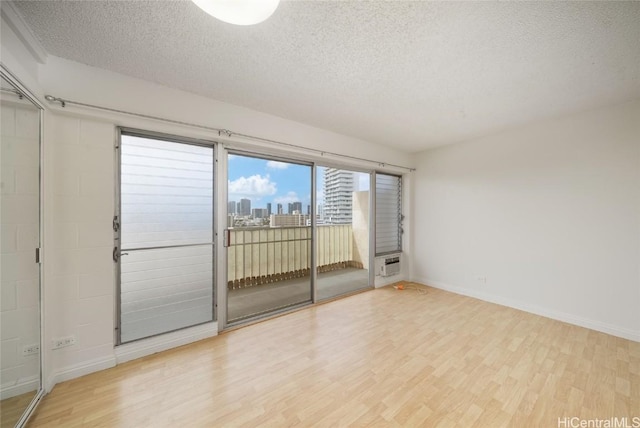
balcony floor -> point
(253, 301)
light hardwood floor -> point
(11, 409)
(379, 358)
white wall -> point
(548, 213)
(20, 225)
(80, 292)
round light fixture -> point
(239, 12)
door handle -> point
(227, 238)
(117, 254)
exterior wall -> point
(361, 227)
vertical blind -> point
(166, 267)
(388, 214)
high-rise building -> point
(268, 209)
(338, 196)
(289, 220)
(279, 209)
(297, 206)
(231, 207)
(320, 214)
(308, 209)
(259, 213)
(244, 207)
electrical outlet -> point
(63, 342)
(30, 350)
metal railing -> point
(263, 255)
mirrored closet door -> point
(20, 308)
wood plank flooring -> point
(11, 409)
(379, 358)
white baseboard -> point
(77, 370)
(556, 315)
(22, 386)
(152, 345)
(132, 351)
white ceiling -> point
(412, 75)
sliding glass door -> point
(275, 259)
(268, 236)
(343, 231)
(164, 235)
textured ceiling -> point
(412, 75)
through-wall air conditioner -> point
(391, 266)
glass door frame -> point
(228, 148)
(26, 93)
(117, 226)
(223, 170)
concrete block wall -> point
(19, 300)
(80, 292)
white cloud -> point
(253, 187)
(277, 165)
(288, 198)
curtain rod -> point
(220, 131)
(12, 91)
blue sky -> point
(265, 181)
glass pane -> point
(343, 232)
(269, 259)
(20, 236)
(166, 193)
(165, 289)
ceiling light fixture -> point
(239, 12)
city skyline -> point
(278, 185)
(265, 182)
(236, 207)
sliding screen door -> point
(166, 236)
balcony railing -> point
(263, 255)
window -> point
(388, 214)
